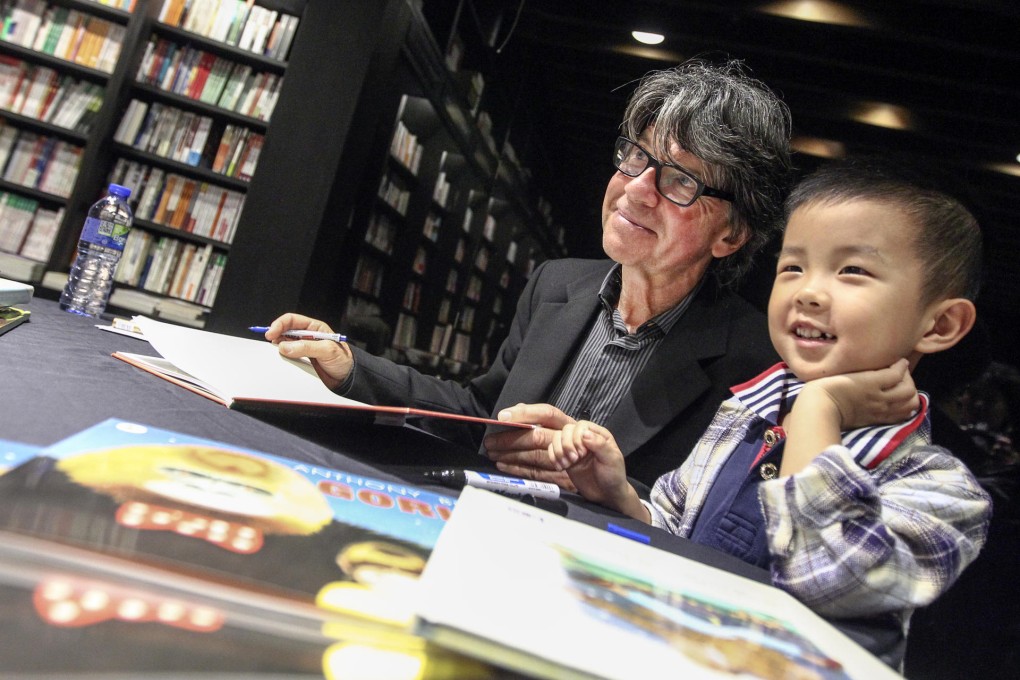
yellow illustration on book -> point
(158, 482)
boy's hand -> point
(594, 462)
(879, 397)
(828, 406)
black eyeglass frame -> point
(702, 189)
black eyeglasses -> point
(672, 181)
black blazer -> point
(720, 341)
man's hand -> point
(525, 453)
(332, 361)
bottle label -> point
(105, 233)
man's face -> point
(643, 230)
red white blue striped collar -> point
(774, 391)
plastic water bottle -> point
(99, 249)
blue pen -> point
(303, 335)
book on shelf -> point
(252, 375)
(127, 548)
(575, 601)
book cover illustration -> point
(224, 511)
(575, 601)
(246, 559)
(14, 453)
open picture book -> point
(251, 375)
(556, 598)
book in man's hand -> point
(251, 375)
(555, 598)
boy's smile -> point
(847, 293)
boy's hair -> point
(738, 127)
(948, 237)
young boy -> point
(822, 469)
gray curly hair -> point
(738, 127)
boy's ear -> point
(952, 319)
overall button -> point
(769, 471)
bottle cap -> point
(119, 191)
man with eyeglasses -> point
(648, 341)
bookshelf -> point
(346, 171)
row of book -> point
(405, 147)
(240, 23)
(381, 233)
(27, 229)
(164, 131)
(368, 276)
(190, 138)
(38, 161)
(42, 93)
(65, 33)
(208, 78)
(168, 266)
(395, 196)
(175, 201)
(406, 332)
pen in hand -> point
(303, 335)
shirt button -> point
(768, 471)
(585, 414)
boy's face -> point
(847, 293)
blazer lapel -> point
(554, 335)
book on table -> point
(15, 293)
(555, 598)
(251, 375)
(128, 548)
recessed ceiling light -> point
(883, 115)
(819, 11)
(816, 146)
(1018, 158)
(648, 38)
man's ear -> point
(730, 243)
(952, 319)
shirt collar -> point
(774, 391)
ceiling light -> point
(816, 146)
(654, 53)
(648, 38)
(883, 115)
(819, 11)
(1005, 168)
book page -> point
(554, 597)
(235, 367)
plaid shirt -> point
(885, 522)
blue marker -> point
(303, 335)
(623, 531)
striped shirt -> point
(605, 368)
